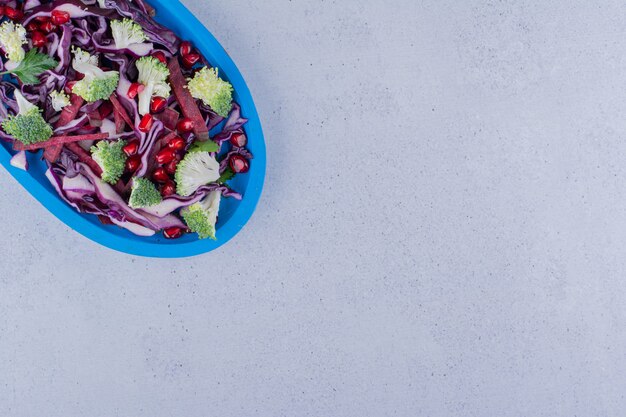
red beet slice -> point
(68, 114)
(58, 141)
(122, 111)
(169, 117)
(119, 121)
(95, 119)
(187, 103)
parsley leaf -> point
(32, 66)
(227, 175)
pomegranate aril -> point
(157, 104)
(190, 60)
(168, 189)
(173, 233)
(32, 26)
(238, 164)
(12, 13)
(185, 125)
(131, 148)
(146, 123)
(160, 55)
(60, 17)
(170, 168)
(160, 175)
(134, 89)
(178, 143)
(239, 140)
(133, 163)
(39, 39)
(42, 19)
(165, 156)
(186, 48)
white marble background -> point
(442, 232)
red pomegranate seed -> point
(32, 26)
(160, 175)
(12, 13)
(48, 27)
(186, 48)
(160, 55)
(134, 89)
(60, 17)
(42, 19)
(146, 123)
(185, 125)
(165, 156)
(39, 39)
(131, 148)
(132, 163)
(168, 189)
(190, 60)
(170, 168)
(238, 164)
(173, 233)
(178, 143)
(157, 104)
(239, 140)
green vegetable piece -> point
(32, 66)
(228, 174)
(216, 93)
(144, 194)
(126, 32)
(194, 171)
(111, 159)
(153, 75)
(97, 84)
(204, 146)
(12, 39)
(201, 217)
(28, 126)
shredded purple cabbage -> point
(69, 172)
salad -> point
(135, 126)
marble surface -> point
(442, 232)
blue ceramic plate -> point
(233, 214)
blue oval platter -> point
(233, 214)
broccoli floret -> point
(153, 74)
(194, 171)
(97, 84)
(12, 37)
(216, 93)
(111, 158)
(144, 194)
(126, 32)
(28, 126)
(202, 216)
(59, 100)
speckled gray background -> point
(442, 233)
